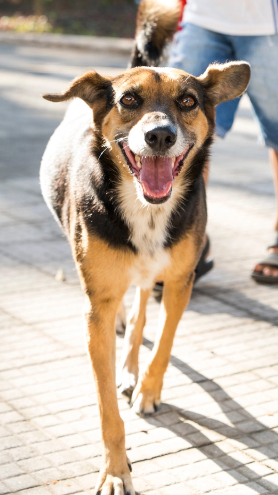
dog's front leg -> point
(114, 477)
(176, 295)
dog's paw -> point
(116, 485)
(126, 381)
(145, 403)
(109, 484)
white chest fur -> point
(148, 231)
(146, 269)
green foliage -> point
(25, 24)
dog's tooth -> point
(173, 162)
(138, 163)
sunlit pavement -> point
(217, 430)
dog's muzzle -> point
(155, 174)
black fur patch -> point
(137, 59)
(99, 203)
(156, 76)
(184, 216)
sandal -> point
(204, 266)
(272, 260)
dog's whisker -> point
(103, 151)
(109, 147)
(118, 140)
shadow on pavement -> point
(235, 299)
(228, 406)
(234, 302)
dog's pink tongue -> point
(156, 176)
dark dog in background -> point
(123, 176)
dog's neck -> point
(148, 223)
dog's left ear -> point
(223, 82)
(92, 88)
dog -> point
(123, 175)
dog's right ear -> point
(94, 89)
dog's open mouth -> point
(155, 174)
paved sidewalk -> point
(217, 430)
(101, 44)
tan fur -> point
(106, 271)
(163, 15)
(234, 79)
(100, 264)
(104, 276)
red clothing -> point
(183, 2)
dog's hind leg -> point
(127, 373)
(121, 320)
(176, 295)
(178, 282)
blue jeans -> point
(194, 48)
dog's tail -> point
(157, 22)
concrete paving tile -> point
(4, 489)
(38, 490)
(5, 458)
(88, 481)
(65, 488)
(256, 487)
(177, 488)
(270, 482)
(21, 482)
(159, 480)
(255, 470)
(11, 470)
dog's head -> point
(153, 121)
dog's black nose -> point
(161, 138)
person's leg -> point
(193, 49)
(271, 270)
(261, 53)
(273, 155)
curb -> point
(120, 46)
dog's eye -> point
(187, 101)
(128, 100)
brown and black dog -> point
(123, 175)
